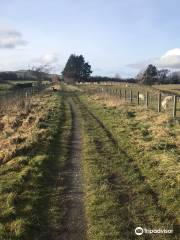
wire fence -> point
(19, 97)
(161, 102)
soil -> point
(74, 222)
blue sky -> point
(115, 36)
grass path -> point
(80, 181)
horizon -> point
(115, 37)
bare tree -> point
(41, 72)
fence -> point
(18, 96)
(157, 101)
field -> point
(78, 164)
(9, 85)
(174, 88)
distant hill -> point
(24, 75)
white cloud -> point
(170, 59)
(48, 58)
(10, 38)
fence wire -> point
(161, 102)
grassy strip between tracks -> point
(123, 187)
(30, 183)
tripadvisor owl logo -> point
(139, 231)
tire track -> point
(74, 222)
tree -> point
(162, 75)
(149, 76)
(86, 72)
(175, 78)
(76, 68)
(8, 76)
(40, 72)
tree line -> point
(78, 70)
(151, 75)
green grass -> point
(130, 165)
(4, 87)
(126, 185)
(9, 84)
(106, 219)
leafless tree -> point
(41, 72)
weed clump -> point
(131, 114)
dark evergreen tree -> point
(77, 69)
(149, 76)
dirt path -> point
(74, 223)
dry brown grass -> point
(18, 125)
(110, 101)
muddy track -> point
(74, 221)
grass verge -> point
(125, 187)
(30, 183)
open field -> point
(9, 85)
(4, 87)
(78, 166)
(164, 88)
(174, 88)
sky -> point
(115, 36)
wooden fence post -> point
(159, 102)
(120, 93)
(131, 96)
(147, 99)
(125, 94)
(138, 97)
(174, 105)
